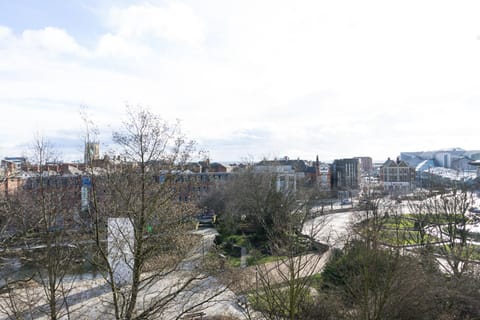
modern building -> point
(428, 175)
(346, 174)
(442, 166)
(454, 158)
(366, 164)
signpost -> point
(86, 185)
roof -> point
(298, 165)
(452, 174)
(218, 164)
(73, 170)
(15, 159)
(425, 165)
(311, 170)
(389, 163)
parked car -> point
(206, 218)
(345, 201)
(474, 210)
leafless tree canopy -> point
(144, 188)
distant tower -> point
(92, 151)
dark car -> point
(474, 210)
(207, 218)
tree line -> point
(390, 266)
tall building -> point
(92, 152)
(346, 174)
(366, 164)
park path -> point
(91, 299)
(280, 271)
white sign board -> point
(120, 249)
(84, 192)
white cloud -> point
(5, 33)
(117, 47)
(332, 78)
(53, 40)
(176, 22)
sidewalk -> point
(92, 299)
(281, 271)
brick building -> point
(397, 176)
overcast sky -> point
(248, 79)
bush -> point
(383, 284)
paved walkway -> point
(91, 299)
(281, 271)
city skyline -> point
(247, 80)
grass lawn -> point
(252, 261)
(233, 261)
(471, 252)
(401, 222)
(435, 218)
(257, 254)
(404, 237)
(404, 229)
(408, 221)
(475, 236)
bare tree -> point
(284, 287)
(447, 216)
(264, 201)
(145, 188)
(378, 279)
(370, 292)
(280, 213)
(40, 219)
(369, 272)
